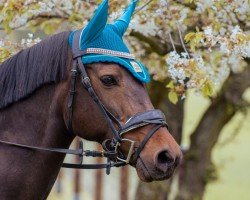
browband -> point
(109, 52)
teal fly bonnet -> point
(103, 42)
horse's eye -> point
(108, 80)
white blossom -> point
(30, 41)
(235, 63)
(208, 31)
(1, 43)
(163, 3)
(219, 49)
(114, 15)
(236, 30)
(202, 5)
(176, 73)
(37, 40)
(18, 21)
(191, 84)
(242, 6)
(247, 49)
(149, 28)
(183, 15)
(222, 72)
(30, 35)
(222, 31)
(45, 7)
(224, 48)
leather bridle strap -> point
(142, 119)
(78, 152)
(72, 93)
(94, 166)
(144, 142)
(87, 84)
(78, 65)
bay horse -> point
(48, 96)
(34, 88)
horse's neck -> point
(34, 121)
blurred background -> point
(197, 52)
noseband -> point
(111, 146)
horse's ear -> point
(121, 24)
(96, 24)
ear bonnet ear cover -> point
(99, 34)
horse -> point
(34, 87)
(46, 101)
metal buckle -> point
(130, 152)
(86, 82)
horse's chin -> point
(146, 174)
(143, 172)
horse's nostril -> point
(164, 160)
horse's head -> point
(124, 97)
(118, 81)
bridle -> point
(111, 146)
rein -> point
(111, 146)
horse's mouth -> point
(149, 174)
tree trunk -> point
(77, 175)
(204, 138)
(124, 183)
(99, 178)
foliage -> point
(216, 34)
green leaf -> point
(4, 54)
(189, 1)
(188, 37)
(207, 89)
(50, 26)
(173, 97)
(170, 85)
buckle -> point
(74, 71)
(86, 82)
(130, 152)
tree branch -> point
(222, 109)
(156, 44)
(42, 16)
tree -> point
(200, 45)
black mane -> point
(31, 68)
